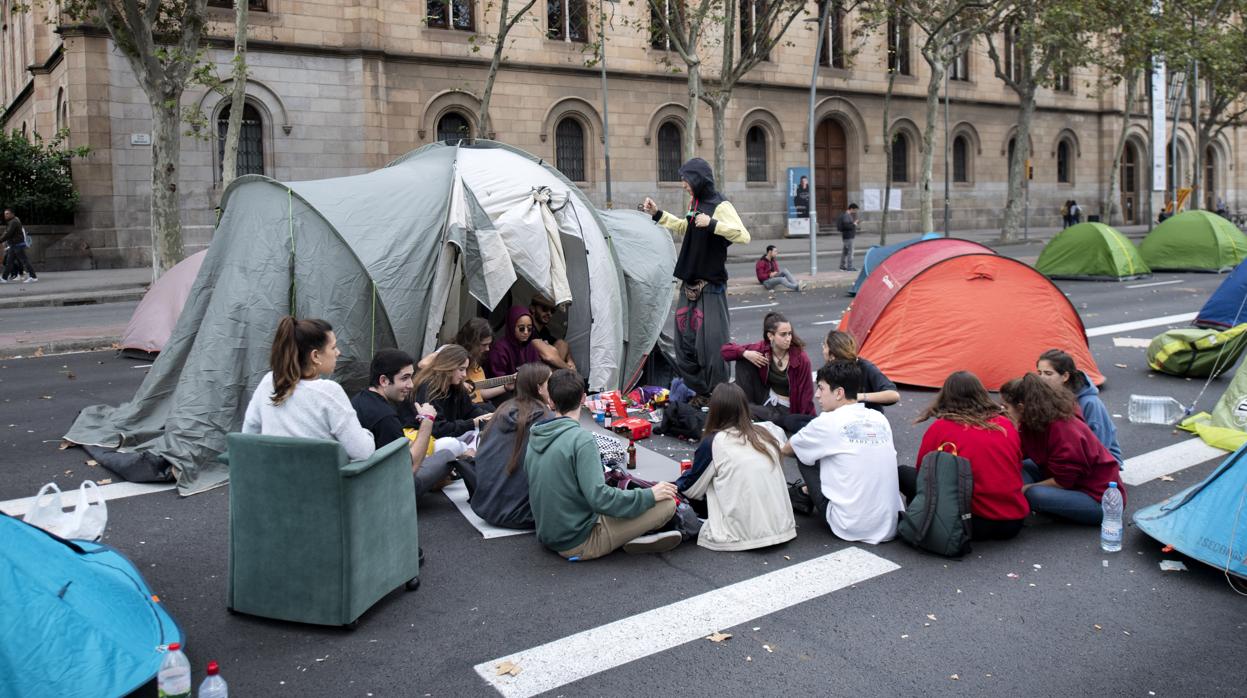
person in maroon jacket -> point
(967, 418)
(775, 373)
(770, 275)
(1069, 468)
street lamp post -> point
(818, 49)
(946, 151)
(606, 112)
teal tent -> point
(76, 618)
(877, 253)
(398, 257)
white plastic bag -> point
(86, 521)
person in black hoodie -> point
(442, 385)
(501, 494)
(702, 324)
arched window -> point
(670, 149)
(250, 141)
(755, 155)
(1064, 164)
(1013, 142)
(453, 127)
(61, 112)
(961, 159)
(900, 158)
(569, 149)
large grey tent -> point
(396, 257)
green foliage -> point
(35, 179)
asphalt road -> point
(1065, 624)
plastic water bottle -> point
(1155, 409)
(174, 678)
(213, 686)
(1110, 524)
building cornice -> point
(13, 105)
(58, 54)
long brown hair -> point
(471, 335)
(1040, 403)
(528, 405)
(841, 345)
(291, 354)
(963, 400)
(729, 409)
(1064, 363)
(771, 323)
(436, 378)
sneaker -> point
(3, 280)
(31, 280)
(659, 542)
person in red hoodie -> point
(770, 275)
(775, 373)
(967, 418)
(1069, 468)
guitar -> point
(494, 382)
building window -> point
(451, 14)
(832, 54)
(569, 149)
(658, 36)
(1061, 82)
(670, 149)
(753, 36)
(567, 20)
(250, 142)
(959, 68)
(898, 46)
(961, 159)
(900, 158)
(755, 155)
(1013, 52)
(1064, 171)
(453, 127)
(62, 113)
(253, 5)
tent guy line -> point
(1139, 324)
(584, 654)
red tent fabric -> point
(891, 276)
(153, 320)
(983, 313)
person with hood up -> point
(1058, 370)
(501, 493)
(577, 514)
(702, 324)
(515, 347)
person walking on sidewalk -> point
(770, 275)
(847, 225)
(702, 323)
(15, 239)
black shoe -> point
(421, 556)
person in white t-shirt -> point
(856, 475)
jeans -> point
(785, 279)
(1078, 507)
(434, 469)
(846, 253)
(980, 528)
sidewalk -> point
(89, 287)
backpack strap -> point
(965, 493)
(931, 486)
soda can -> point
(686, 465)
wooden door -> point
(830, 172)
(1130, 185)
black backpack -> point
(938, 518)
(682, 420)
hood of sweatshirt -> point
(544, 436)
(700, 179)
(1089, 389)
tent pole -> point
(606, 119)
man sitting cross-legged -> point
(389, 389)
(577, 514)
(855, 481)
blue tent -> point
(1226, 307)
(1208, 521)
(877, 253)
(76, 618)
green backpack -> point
(1195, 352)
(938, 518)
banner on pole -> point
(1159, 137)
(798, 201)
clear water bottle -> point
(1110, 524)
(213, 686)
(174, 678)
(1155, 409)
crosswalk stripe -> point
(1167, 460)
(1139, 324)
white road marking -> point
(120, 490)
(584, 654)
(1168, 460)
(751, 307)
(1156, 283)
(827, 322)
(1132, 342)
(1139, 324)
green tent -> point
(1091, 251)
(399, 257)
(1226, 427)
(1194, 241)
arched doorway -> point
(831, 165)
(1130, 185)
(1210, 179)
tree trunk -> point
(718, 110)
(238, 94)
(166, 155)
(1017, 167)
(1111, 193)
(887, 157)
(926, 207)
(690, 127)
(494, 62)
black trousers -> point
(982, 529)
(749, 379)
(17, 261)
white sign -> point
(1159, 138)
(871, 200)
(140, 139)
(894, 199)
(798, 227)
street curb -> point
(28, 351)
(72, 299)
(746, 289)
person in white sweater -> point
(746, 494)
(294, 400)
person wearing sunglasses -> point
(515, 347)
(554, 351)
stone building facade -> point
(345, 86)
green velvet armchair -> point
(313, 537)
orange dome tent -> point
(976, 312)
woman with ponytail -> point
(294, 400)
(775, 373)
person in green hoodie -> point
(577, 514)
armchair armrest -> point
(380, 455)
(223, 458)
